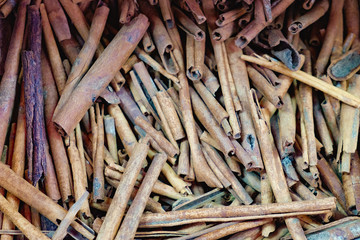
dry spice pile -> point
(179, 119)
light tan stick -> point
(155, 65)
(111, 136)
(98, 162)
(132, 218)
(53, 51)
(78, 177)
(266, 197)
(22, 223)
(171, 116)
(184, 159)
(349, 124)
(123, 128)
(272, 163)
(225, 88)
(61, 231)
(20, 188)
(164, 123)
(117, 207)
(307, 79)
(170, 149)
(209, 122)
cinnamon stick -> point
(8, 81)
(64, 124)
(116, 210)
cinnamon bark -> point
(129, 36)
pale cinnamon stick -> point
(116, 210)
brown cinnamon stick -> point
(221, 214)
(8, 81)
(61, 119)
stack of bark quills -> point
(198, 120)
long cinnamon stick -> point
(175, 218)
(132, 218)
(137, 28)
(116, 210)
(8, 81)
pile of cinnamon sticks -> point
(179, 119)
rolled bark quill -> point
(194, 8)
(21, 222)
(349, 126)
(58, 151)
(167, 14)
(238, 189)
(308, 4)
(53, 51)
(157, 136)
(345, 226)
(330, 35)
(265, 87)
(214, 106)
(224, 32)
(305, 78)
(137, 27)
(123, 129)
(241, 79)
(116, 210)
(272, 162)
(231, 16)
(346, 66)
(194, 58)
(244, 20)
(351, 12)
(17, 160)
(255, 27)
(58, 20)
(233, 229)
(161, 37)
(61, 231)
(34, 106)
(132, 218)
(155, 65)
(7, 7)
(209, 122)
(283, 50)
(188, 26)
(8, 81)
(316, 12)
(171, 115)
(84, 57)
(148, 43)
(110, 132)
(238, 213)
(35, 198)
(98, 162)
(266, 197)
